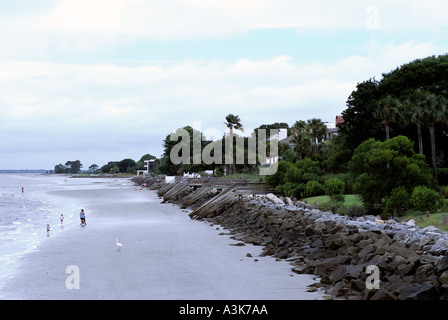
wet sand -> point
(165, 255)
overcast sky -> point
(103, 80)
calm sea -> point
(25, 215)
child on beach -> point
(48, 230)
(82, 215)
(62, 218)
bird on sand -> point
(119, 245)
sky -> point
(105, 80)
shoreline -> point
(165, 256)
(355, 258)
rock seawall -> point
(411, 263)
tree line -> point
(392, 146)
(126, 165)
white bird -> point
(119, 245)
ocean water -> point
(24, 216)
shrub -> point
(425, 199)
(334, 188)
(291, 189)
(398, 198)
(380, 167)
(278, 178)
(314, 188)
(291, 178)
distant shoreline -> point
(23, 171)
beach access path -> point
(165, 255)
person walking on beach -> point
(48, 230)
(82, 215)
(62, 218)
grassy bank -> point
(349, 200)
(353, 200)
(435, 219)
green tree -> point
(110, 167)
(435, 110)
(299, 126)
(73, 166)
(302, 144)
(127, 166)
(388, 109)
(314, 188)
(140, 164)
(425, 199)
(232, 122)
(93, 168)
(279, 177)
(412, 83)
(428, 74)
(59, 168)
(413, 113)
(317, 131)
(379, 167)
(334, 188)
(360, 121)
(187, 153)
(291, 178)
(398, 198)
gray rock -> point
(338, 274)
(443, 278)
(403, 269)
(416, 291)
(442, 264)
(382, 294)
(423, 272)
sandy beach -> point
(165, 255)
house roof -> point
(339, 119)
(287, 139)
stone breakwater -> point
(412, 262)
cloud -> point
(84, 25)
(108, 110)
(67, 87)
(189, 90)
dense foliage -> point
(380, 167)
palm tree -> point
(412, 114)
(434, 111)
(232, 122)
(317, 130)
(388, 111)
(299, 126)
(302, 143)
(302, 138)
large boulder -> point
(273, 198)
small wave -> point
(16, 222)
